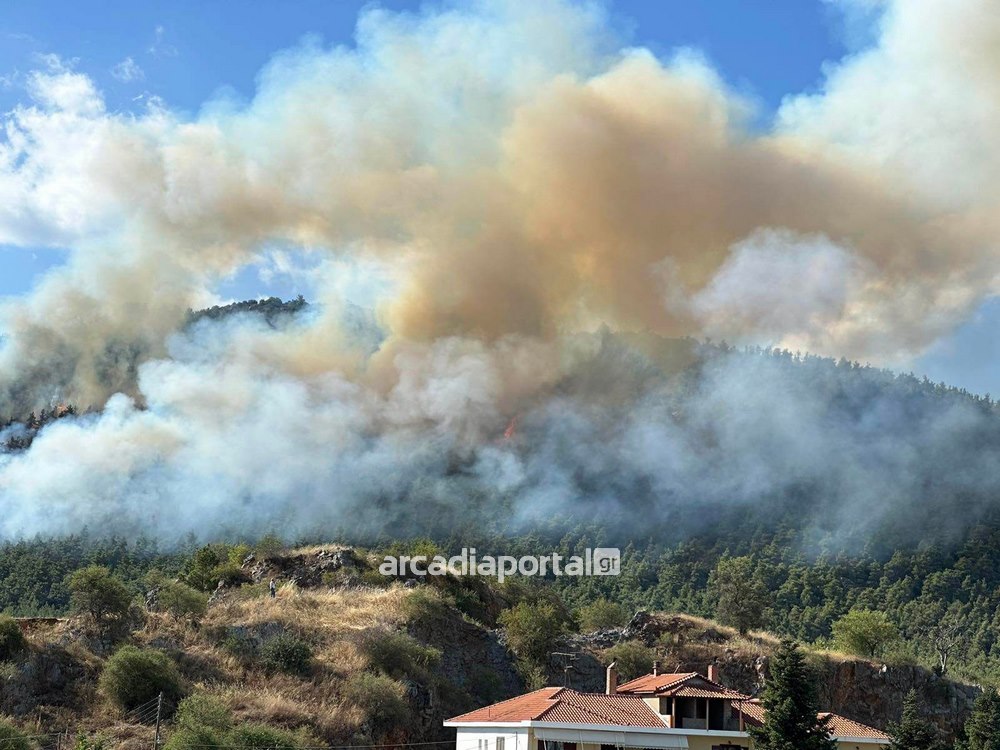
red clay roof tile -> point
(565, 706)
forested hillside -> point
(342, 654)
(838, 486)
(942, 601)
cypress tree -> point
(913, 732)
(791, 721)
(982, 730)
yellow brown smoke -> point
(514, 175)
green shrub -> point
(83, 742)
(532, 674)
(181, 600)
(242, 647)
(374, 578)
(382, 699)
(864, 632)
(532, 629)
(98, 593)
(600, 615)
(211, 564)
(238, 553)
(205, 721)
(12, 641)
(203, 711)
(399, 654)
(632, 659)
(231, 574)
(186, 738)
(12, 738)
(285, 653)
(425, 607)
(268, 546)
(132, 677)
(201, 721)
(485, 686)
(250, 736)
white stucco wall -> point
(478, 738)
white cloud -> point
(127, 71)
(923, 102)
(159, 47)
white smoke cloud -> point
(783, 289)
(492, 179)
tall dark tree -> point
(791, 721)
(914, 731)
(982, 730)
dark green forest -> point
(927, 592)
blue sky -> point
(188, 52)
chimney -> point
(713, 672)
(612, 678)
(656, 667)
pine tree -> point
(982, 730)
(791, 720)
(913, 732)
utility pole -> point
(159, 708)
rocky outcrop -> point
(870, 692)
(473, 658)
(867, 692)
(308, 571)
(48, 676)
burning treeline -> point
(514, 176)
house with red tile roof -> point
(658, 710)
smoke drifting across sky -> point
(516, 177)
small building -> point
(658, 710)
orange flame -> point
(511, 429)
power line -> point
(276, 747)
(28, 737)
(331, 747)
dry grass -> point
(330, 620)
(293, 704)
(319, 612)
(830, 654)
(315, 549)
(701, 623)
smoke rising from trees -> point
(520, 178)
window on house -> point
(500, 743)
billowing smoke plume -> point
(518, 179)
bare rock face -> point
(473, 658)
(307, 571)
(48, 676)
(644, 626)
(869, 692)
